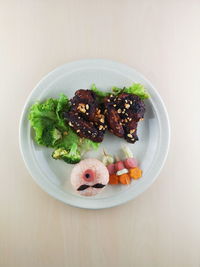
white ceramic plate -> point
(151, 149)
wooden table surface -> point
(161, 39)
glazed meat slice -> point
(84, 102)
(131, 106)
(85, 116)
(124, 110)
(85, 128)
(114, 121)
(130, 129)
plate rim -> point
(113, 64)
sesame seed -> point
(129, 135)
(78, 131)
(114, 105)
(126, 100)
(132, 139)
(87, 106)
(70, 124)
(102, 120)
(100, 127)
(89, 131)
(131, 102)
(108, 100)
(119, 110)
(87, 113)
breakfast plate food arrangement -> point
(94, 133)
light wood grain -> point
(161, 39)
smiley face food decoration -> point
(89, 177)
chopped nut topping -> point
(132, 131)
(87, 106)
(119, 110)
(70, 124)
(100, 127)
(89, 131)
(127, 106)
(78, 131)
(81, 107)
(114, 105)
(102, 120)
(129, 135)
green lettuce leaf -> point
(51, 129)
(46, 120)
(100, 94)
(136, 89)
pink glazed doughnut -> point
(89, 177)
